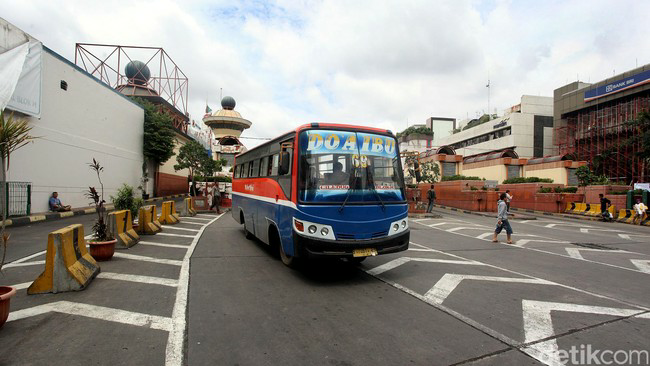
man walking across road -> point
(431, 196)
(216, 198)
(604, 205)
(502, 220)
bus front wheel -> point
(288, 260)
(249, 235)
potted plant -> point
(102, 244)
(124, 200)
(14, 134)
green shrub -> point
(618, 192)
(473, 188)
(545, 190)
(124, 200)
(459, 177)
(527, 180)
(198, 178)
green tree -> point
(14, 134)
(158, 144)
(584, 175)
(430, 172)
(194, 156)
(415, 129)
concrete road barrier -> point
(187, 209)
(121, 225)
(168, 214)
(174, 213)
(570, 207)
(148, 223)
(68, 265)
(626, 216)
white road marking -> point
(139, 279)
(641, 264)
(402, 260)
(550, 225)
(438, 224)
(195, 218)
(177, 235)
(575, 252)
(448, 283)
(174, 351)
(484, 235)
(477, 227)
(193, 223)
(179, 228)
(24, 264)
(586, 230)
(164, 245)
(206, 215)
(148, 259)
(625, 236)
(21, 260)
(21, 286)
(545, 251)
(538, 325)
(419, 250)
(521, 242)
(95, 312)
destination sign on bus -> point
(328, 142)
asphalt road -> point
(205, 295)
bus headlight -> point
(324, 231)
(396, 227)
(403, 224)
(312, 229)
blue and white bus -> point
(324, 190)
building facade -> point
(227, 125)
(441, 126)
(591, 123)
(526, 128)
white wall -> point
(168, 166)
(89, 120)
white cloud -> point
(368, 62)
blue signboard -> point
(618, 85)
(344, 142)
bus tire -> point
(249, 235)
(289, 261)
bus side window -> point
(264, 166)
(234, 174)
(244, 173)
(274, 165)
(250, 169)
(255, 168)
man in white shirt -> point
(640, 209)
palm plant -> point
(14, 134)
(100, 228)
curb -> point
(491, 215)
(52, 216)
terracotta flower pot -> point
(6, 292)
(102, 250)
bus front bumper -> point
(310, 247)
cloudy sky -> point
(379, 63)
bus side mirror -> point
(285, 160)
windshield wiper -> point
(352, 182)
(371, 184)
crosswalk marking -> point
(179, 228)
(164, 245)
(575, 252)
(402, 260)
(138, 279)
(148, 259)
(178, 235)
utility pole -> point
(488, 87)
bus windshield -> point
(348, 166)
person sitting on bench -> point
(56, 205)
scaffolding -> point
(602, 136)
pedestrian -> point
(216, 198)
(604, 205)
(56, 205)
(640, 210)
(502, 220)
(508, 199)
(431, 196)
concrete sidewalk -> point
(50, 216)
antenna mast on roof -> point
(488, 86)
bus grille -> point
(345, 236)
(379, 234)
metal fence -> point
(18, 198)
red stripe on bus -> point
(263, 187)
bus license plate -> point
(367, 252)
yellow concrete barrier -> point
(173, 211)
(168, 214)
(570, 207)
(594, 210)
(580, 208)
(121, 225)
(645, 221)
(148, 223)
(626, 216)
(187, 209)
(68, 266)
